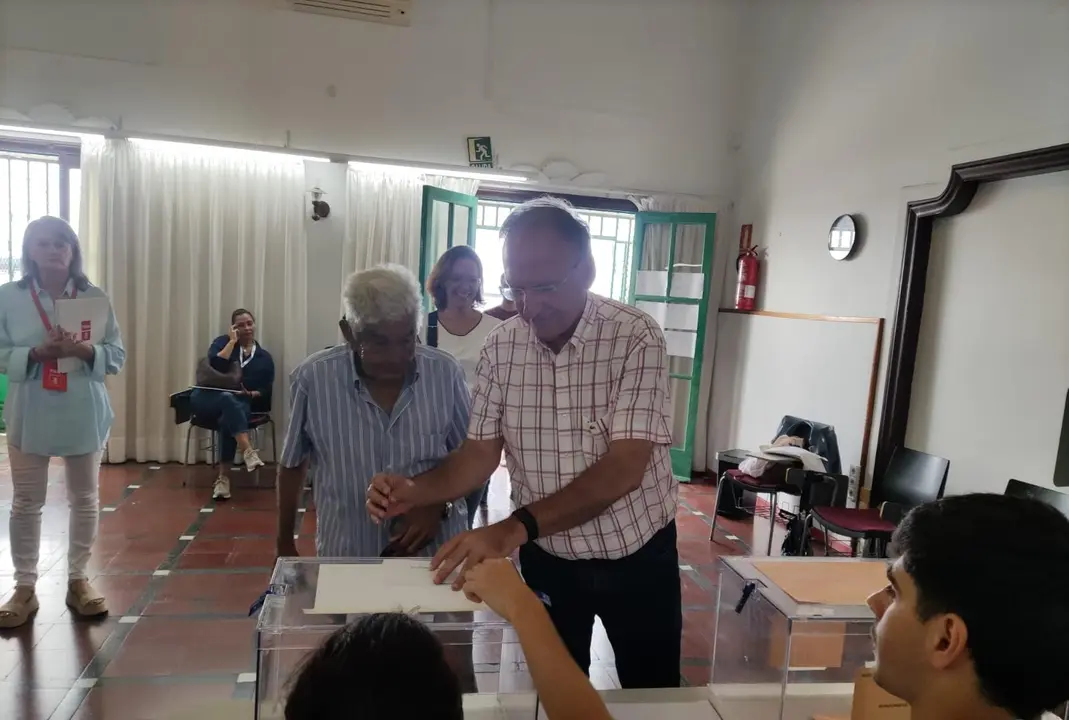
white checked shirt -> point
(558, 413)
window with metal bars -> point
(36, 178)
(611, 237)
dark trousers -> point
(229, 411)
(638, 599)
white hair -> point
(384, 293)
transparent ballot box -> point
(792, 635)
(480, 645)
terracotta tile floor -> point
(180, 572)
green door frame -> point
(431, 195)
(682, 454)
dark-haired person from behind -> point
(233, 411)
(974, 621)
(390, 665)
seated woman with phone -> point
(236, 376)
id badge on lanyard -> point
(51, 378)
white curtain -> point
(383, 213)
(655, 255)
(180, 236)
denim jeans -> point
(231, 412)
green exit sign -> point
(480, 152)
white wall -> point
(850, 104)
(641, 91)
(993, 361)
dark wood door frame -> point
(965, 180)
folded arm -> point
(221, 353)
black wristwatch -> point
(525, 518)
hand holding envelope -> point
(82, 321)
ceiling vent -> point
(390, 12)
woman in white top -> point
(456, 326)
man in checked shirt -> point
(574, 390)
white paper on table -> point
(394, 585)
(84, 318)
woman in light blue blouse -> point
(50, 413)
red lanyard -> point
(40, 308)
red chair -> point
(912, 478)
(759, 486)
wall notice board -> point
(818, 367)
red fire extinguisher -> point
(748, 266)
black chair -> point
(912, 478)
(183, 413)
(1057, 500)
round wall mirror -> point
(843, 237)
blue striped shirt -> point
(336, 425)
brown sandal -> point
(19, 609)
(84, 600)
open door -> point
(448, 220)
(672, 260)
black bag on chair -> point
(207, 376)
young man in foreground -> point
(974, 621)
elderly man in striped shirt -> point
(379, 403)
(575, 392)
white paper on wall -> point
(671, 317)
(687, 285)
(680, 343)
(651, 282)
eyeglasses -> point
(517, 294)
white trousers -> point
(29, 476)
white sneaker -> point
(221, 488)
(252, 460)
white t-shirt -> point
(466, 348)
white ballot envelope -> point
(84, 318)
